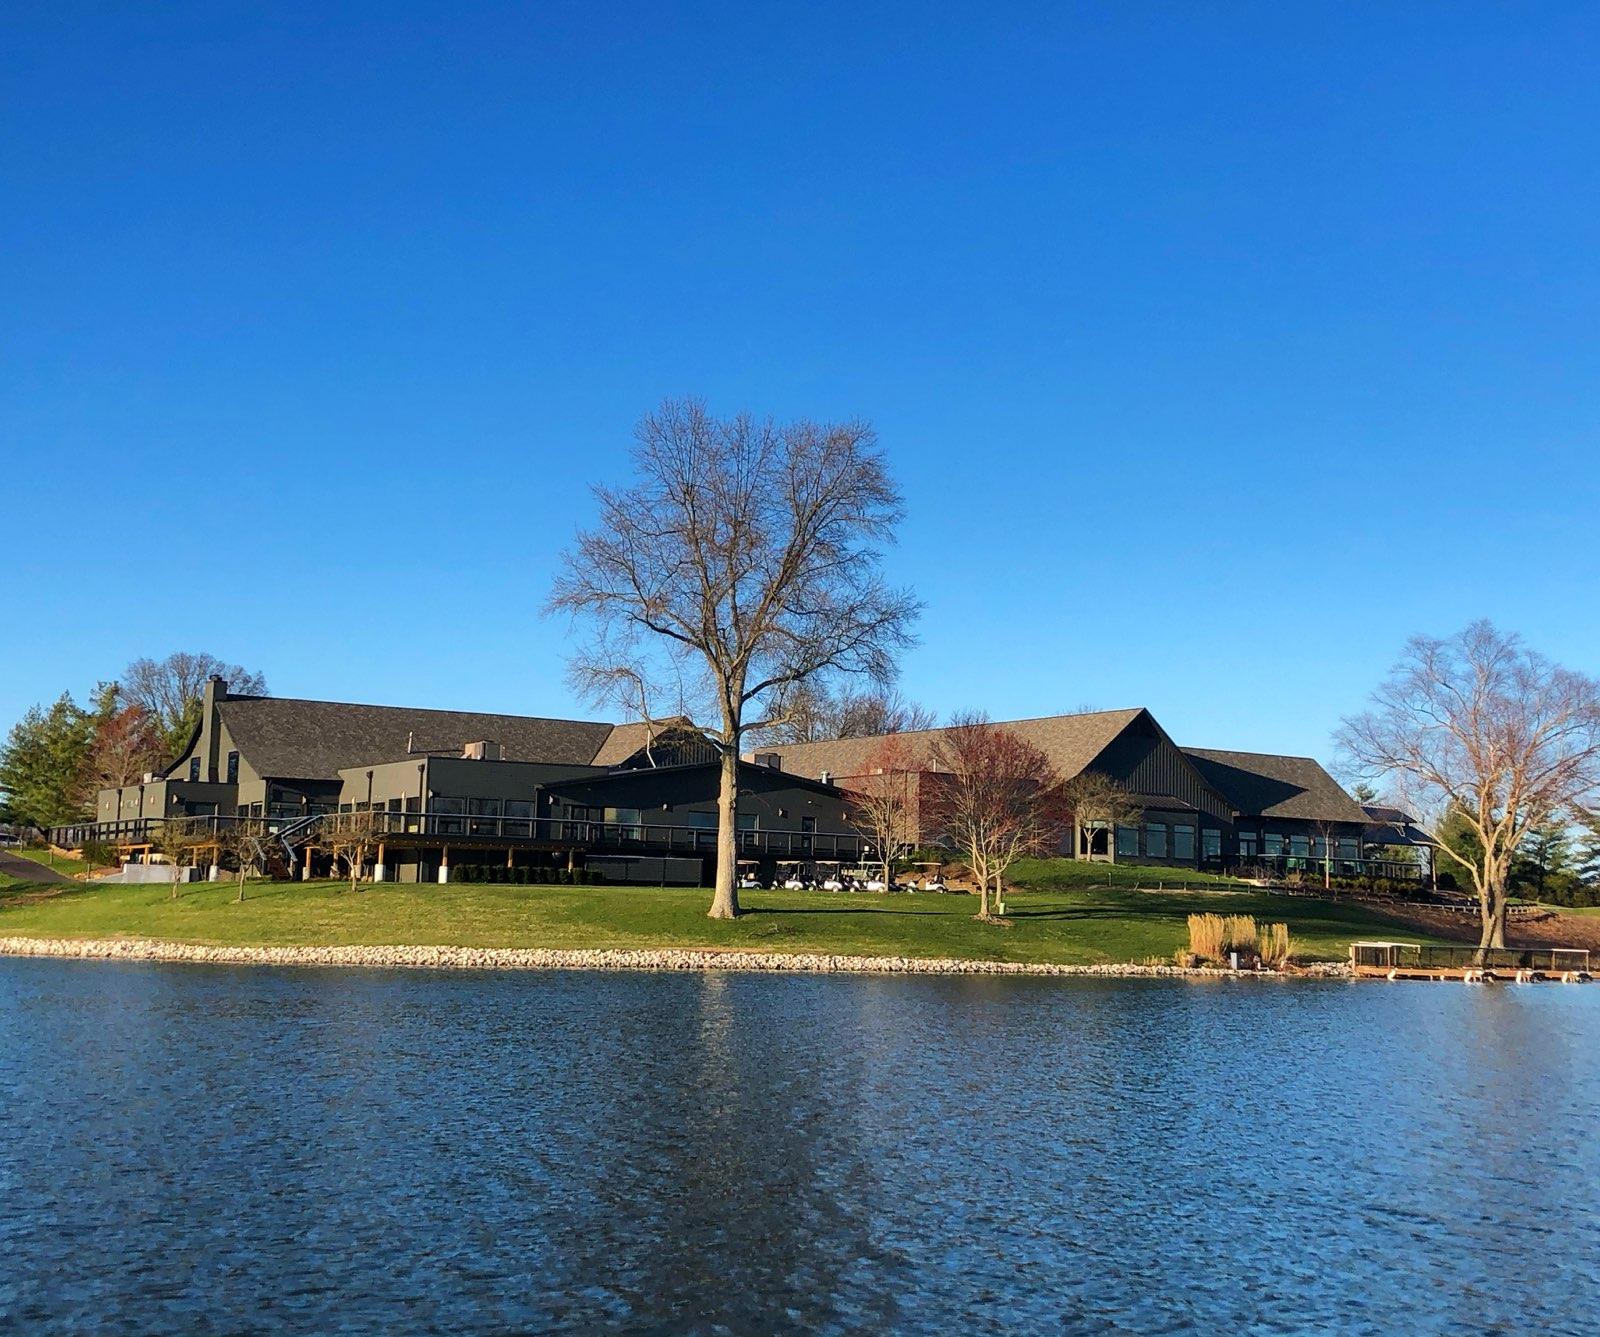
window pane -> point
(1155, 839)
(1128, 840)
(1183, 842)
(1211, 843)
(1300, 846)
(1274, 844)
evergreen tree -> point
(1545, 857)
(1587, 860)
(42, 763)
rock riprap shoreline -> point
(608, 958)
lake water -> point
(224, 1150)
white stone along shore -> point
(610, 958)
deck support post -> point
(444, 864)
(378, 868)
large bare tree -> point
(1482, 728)
(996, 797)
(170, 691)
(742, 564)
(817, 715)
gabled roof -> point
(1263, 784)
(1071, 742)
(286, 738)
(647, 776)
(626, 740)
(1392, 826)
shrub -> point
(1274, 945)
(1212, 937)
(1207, 936)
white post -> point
(377, 872)
(444, 867)
(214, 874)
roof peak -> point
(945, 728)
(1245, 752)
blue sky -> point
(1217, 347)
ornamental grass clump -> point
(1274, 945)
(1213, 937)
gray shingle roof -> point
(1070, 741)
(285, 738)
(627, 739)
(1263, 784)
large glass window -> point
(627, 822)
(1300, 847)
(702, 821)
(1249, 845)
(1347, 849)
(1155, 839)
(1183, 842)
(1210, 843)
(1127, 842)
(1273, 845)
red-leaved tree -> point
(882, 800)
(996, 796)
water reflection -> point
(227, 1149)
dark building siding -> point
(1146, 761)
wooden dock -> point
(1469, 965)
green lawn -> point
(1083, 925)
(1077, 875)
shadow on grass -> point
(751, 911)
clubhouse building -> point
(636, 802)
(1202, 808)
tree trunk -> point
(1492, 911)
(982, 876)
(725, 899)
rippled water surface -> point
(192, 1149)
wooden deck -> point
(1469, 965)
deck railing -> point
(488, 828)
(1414, 956)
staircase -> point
(290, 839)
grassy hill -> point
(1070, 924)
